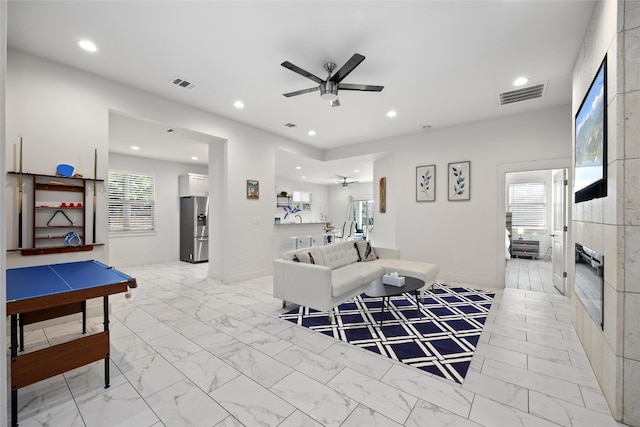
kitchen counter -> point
(285, 235)
(302, 223)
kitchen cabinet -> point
(193, 184)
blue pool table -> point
(46, 291)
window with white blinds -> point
(131, 202)
(528, 204)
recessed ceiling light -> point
(425, 127)
(392, 113)
(194, 158)
(356, 170)
(303, 177)
(88, 45)
(312, 133)
(238, 104)
(298, 167)
(135, 147)
(520, 81)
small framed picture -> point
(426, 183)
(460, 181)
(383, 194)
(253, 189)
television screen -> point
(591, 141)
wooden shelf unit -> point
(283, 201)
(53, 215)
(56, 211)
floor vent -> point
(291, 125)
(182, 83)
(524, 94)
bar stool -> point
(302, 240)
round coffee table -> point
(378, 289)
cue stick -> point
(20, 199)
(95, 183)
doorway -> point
(536, 224)
(361, 212)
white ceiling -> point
(157, 140)
(441, 62)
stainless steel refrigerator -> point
(194, 230)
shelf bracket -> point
(56, 213)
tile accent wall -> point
(611, 225)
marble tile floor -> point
(530, 275)
(191, 351)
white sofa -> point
(338, 275)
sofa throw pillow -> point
(365, 251)
(304, 257)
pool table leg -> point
(14, 354)
(83, 304)
(21, 331)
(105, 307)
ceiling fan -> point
(344, 181)
(329, 88)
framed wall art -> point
(460, 181)
(426, 183)
(253, 189)
(383, 194)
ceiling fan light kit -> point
(344, 183)
(329, 91)
(329, 88)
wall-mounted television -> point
(590, 178)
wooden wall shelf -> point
(48, 237)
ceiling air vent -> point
(290, 125)
(182, 83)
(524, 94)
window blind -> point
(528, 204)
(131, 202)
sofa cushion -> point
(304, 257)
(345, 279)
(419, 270)
(315, 252)
(365, 251)
(339, 254)
(369, 271)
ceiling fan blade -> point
(343, 72)
(304, 73)
(366, 88)
(300, 92)
(335, 103)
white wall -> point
(63, 115)
(163, 245)
(339, 199)
(319, 198)
(442, 230)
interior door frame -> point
(560, 235)
(503, 169)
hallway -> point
(534, 275)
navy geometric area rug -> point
(441, 340)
